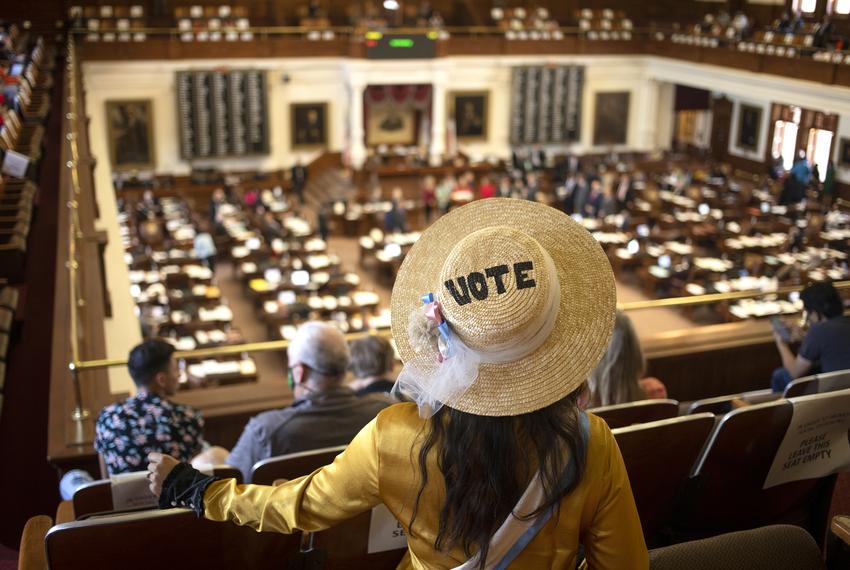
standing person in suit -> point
(532, 186)
(625, 193)
(299, 180)
(216, 202)
(581, 192)
(593, 204)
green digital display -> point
(380, 45)
(401, 43)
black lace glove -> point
(185, 487)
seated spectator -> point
(826, 344)
(823, 33)
(741, 24)
(125, 432)
(618, 378)
(325, 412)
(372, 362)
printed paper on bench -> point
(815, 444)
(385, 532)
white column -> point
(666, 116)
(357, 142)
(439, 117)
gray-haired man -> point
(325, 412)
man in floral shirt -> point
(127, 431)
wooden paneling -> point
(842, 75)
(799, 68)
(732, 58)
(713, 360)
(472, 45)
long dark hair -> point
(487, 463)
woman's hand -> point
(159, 466)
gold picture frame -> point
(308, 126)
(129, 125)
(470, 113)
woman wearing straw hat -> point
(500, 311)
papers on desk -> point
(679, 248)
(184, 234)
(713, 264)
(259, 285)
(754, 308)
(240, 252)
(365, 298)
(610, 237)
(319, 278)
(215, 368)
(835, 235)
(315, 244)
(318, 261)
(659, 272)
(198, 272)
(249, 267)
(185, 343)
(297, 226)
(747, 283)
(180, 317)
(765, 241)
(403, 239)
(206, 338)
(221, 313)
(694, 289)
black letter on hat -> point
(460, 298)
(496, 273)
(478, 285)
(522, 280)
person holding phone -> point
(827, 342)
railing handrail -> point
(278, 345)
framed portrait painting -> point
(469, 114)
(844, 153)
(309, 124)
(391, 125)
(611, 118)
(749, 121)
(130, 133)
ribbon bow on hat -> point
(434, 314)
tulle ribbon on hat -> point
(445, 367)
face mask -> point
(290, 379)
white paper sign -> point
(385, 533)
(132, 491)
(15, 164)
(815, 444)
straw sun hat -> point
(523, 288)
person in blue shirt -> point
(801, 170)
(827, 344)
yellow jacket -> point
(381, 466)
